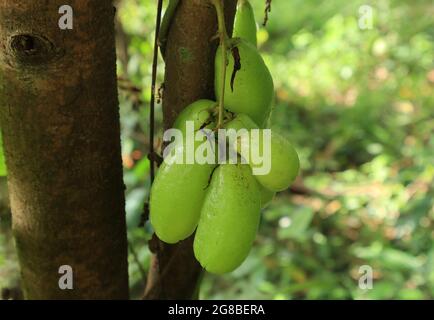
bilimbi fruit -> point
(229, 219)
(251, 89)
(179, 188)
(176, 199)
(223, 202)
(199, 112)
(284, 160)
(245, 24)
(242, 121)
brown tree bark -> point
(60, 122)
(189, 76)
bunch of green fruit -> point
(222, 202)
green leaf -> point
(410, 294)
(142, 168)
(381, 290)
(299, 222)
(399, 260)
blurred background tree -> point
(359, 106)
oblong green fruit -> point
(179, 189)
(245, 24)
(229, 219)
(199, 111)
(242, 121)
(253, 89)
(176, 199)
(278, 153)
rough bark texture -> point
(189, 76)
(60, 122)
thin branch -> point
(165, 25)
(154, 80)
(267, 11)
(218, 4)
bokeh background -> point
(356, 98)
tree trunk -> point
(60, 122)
(189, 76)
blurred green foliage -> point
(358, 105)
(2, 159)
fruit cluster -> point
(222, 202)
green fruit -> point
(176, 198)
(245, 24)
(242, 121)
(282, 157)
(199, 111)
(253, 89)
(179, 188)
(229, 219)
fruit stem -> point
(165, 25)
(218, 4)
